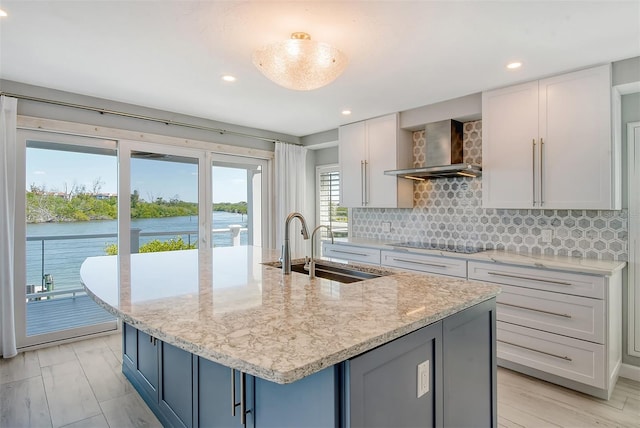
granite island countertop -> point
(227, 306)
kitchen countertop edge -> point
(562, 263)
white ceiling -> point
(170, 55)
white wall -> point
(50, 111)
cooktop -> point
(442, 247)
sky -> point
(152, 178)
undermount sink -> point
(333, 273)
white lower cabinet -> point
(351, 253)
(540, 279)
(562, 356)
(573, 316)
(559, 326)
(424, 263)
(562, 327)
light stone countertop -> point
(563, 263)
(226, 306)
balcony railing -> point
(46, 291)
(50, 309)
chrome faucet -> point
(286, 249)
(312, 262)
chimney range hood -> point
(443, 154)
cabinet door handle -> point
(536, 310)
(533, 170)
(550, 281)
(233, 393)
(536, 350)
(366, 196)
(362, 182)
(243, 399)
(243, 396)
(350, 252)
(420, 263)
(541, 173)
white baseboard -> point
(630, 372)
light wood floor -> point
(72, 385)
(81, 385)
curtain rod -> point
(147, 118)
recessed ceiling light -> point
(346, 112)
(514, 65)
(3, 13)
(228, 78)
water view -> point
(63, 257)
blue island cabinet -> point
(140, 359)
(310, 402)
(162, 374)
(443, 374)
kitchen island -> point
(208, 331)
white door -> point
(575, 135)
(381, 189)
(509, 146)
(352, 155)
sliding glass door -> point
(69, 212)
(240, 203)
(89, 197)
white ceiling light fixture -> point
(3, 13)
(346, 112)
(514, 65)
(300, 63)
(229, 78)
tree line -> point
(80, 205)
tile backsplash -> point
(449, 212)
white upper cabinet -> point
(509, 145)
(366, 150)
(548, 144)
(351, 154)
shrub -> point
(155, 246)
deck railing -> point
(46, 294)
(45, 290)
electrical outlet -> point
(386, 227)
(423, 378)
(547, 235)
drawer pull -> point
(536, 350)
(536, 310)
(350, 252)
(529, 278)
(415, 262)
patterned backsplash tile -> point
(449, 212)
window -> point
(328, 210)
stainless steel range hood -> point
(443, 154)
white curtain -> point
(8, 119)
(290, 166)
